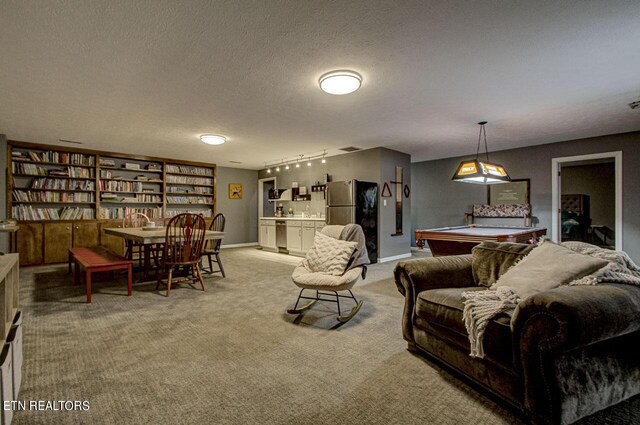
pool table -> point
(460, 239)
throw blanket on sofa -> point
(481, 306)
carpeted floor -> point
(231, 355)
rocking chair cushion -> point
(329, 255)
(304, 278)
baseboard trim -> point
(239, 245)
(394, 258)
(416, 249)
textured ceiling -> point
(148, 77)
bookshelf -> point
(189, 189)
(95, 190)
(128, 185)
(44, 184)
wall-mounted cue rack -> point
(64, 197)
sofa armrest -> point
(563, 319)
(415, 276)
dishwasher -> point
(281, 234)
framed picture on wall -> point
(514, 192)
(235, 191)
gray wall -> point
(361, 165)
(437, 201)
(374, 165)
(393, 245)
(599, 182)
(241, 214)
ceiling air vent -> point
(635, 105)
(69, 141)
(350, 149)
(235, 162)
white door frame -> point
(261, 192)
(556, 184)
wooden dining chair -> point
(184, 241)
(213, 248)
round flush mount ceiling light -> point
(213, 139)
(340, 82)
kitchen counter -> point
(294, 218)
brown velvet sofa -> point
(565, 354)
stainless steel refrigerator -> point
(355, 202)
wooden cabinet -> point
(294, 236)
(308, 234)
(30, 239)
(86, 234)
(58, 238)
(268, 234)
(114, 243)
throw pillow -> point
(329, 255)
(490, 260)
(546, 267)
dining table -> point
(149, 237)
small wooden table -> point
(151, 237)
(12, 230)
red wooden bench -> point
(98, 259)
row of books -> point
(204, 213)
(189, 180)
(189, 189)
(37, 170)
(29, 213)
(27, 196)
(61, 184)
(186, 169)
(52, 156)
(120, 186)
(121, 212)
(189, 200)
(142, 198)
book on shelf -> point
(29, 169)
(28, 196)
(205, 213)
(131, 166)
(61, 184)
(154, 167)
(120, 186)
(30, 213)
(137, 198)
(197, 190)
(72, 172)
(107, 162)
(120, 212)
(188, 169)
(54, 157)
(189, 180)
(189, 200)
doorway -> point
(266, 208)
(587, 199)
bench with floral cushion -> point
(500, 211)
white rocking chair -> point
(327, 286)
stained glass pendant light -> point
(481, 172)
